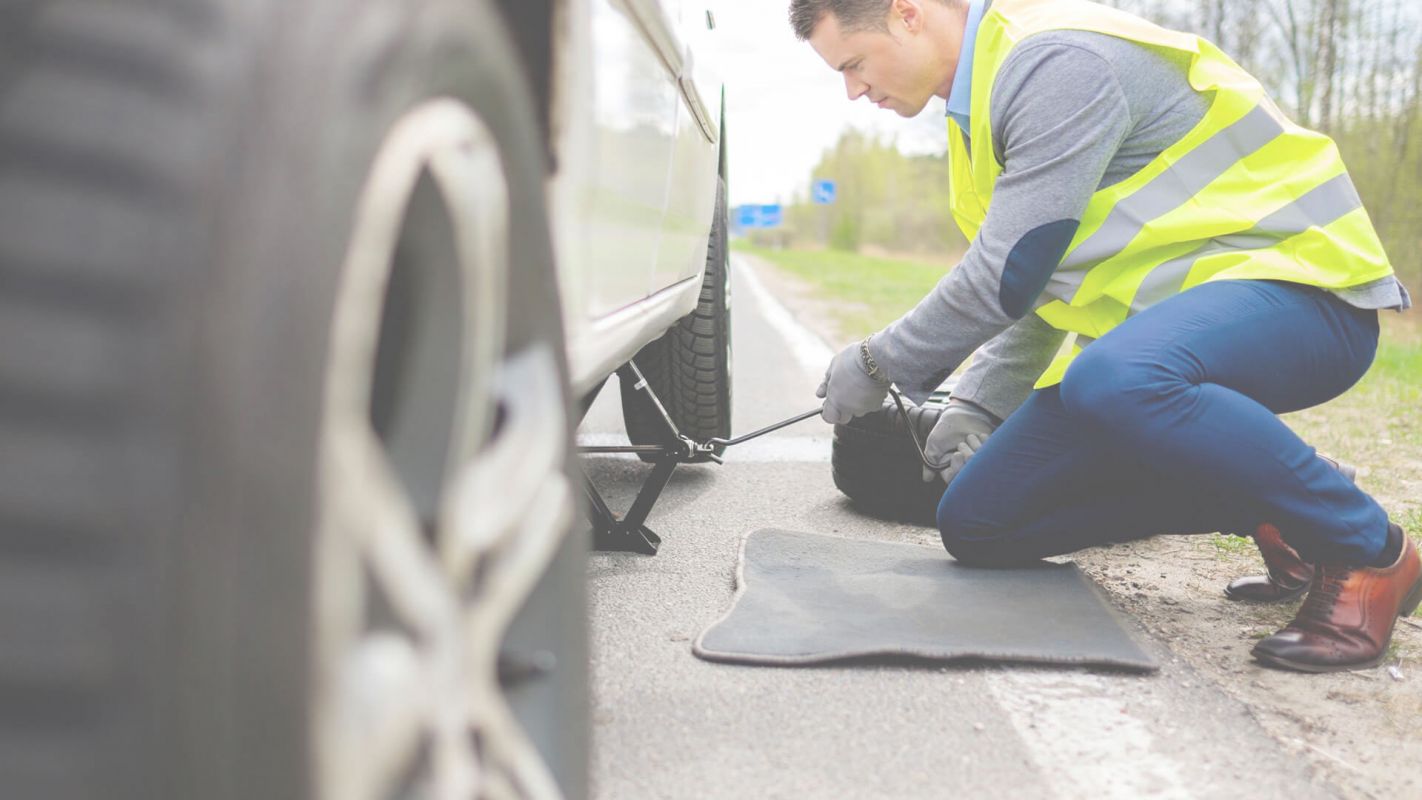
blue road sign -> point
(824, 192)
(760, 216)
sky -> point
(785, 106)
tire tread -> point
(97, 102)
(689, 366)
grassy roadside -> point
(867, 292)
(1377, 425)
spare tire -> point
(876, 464)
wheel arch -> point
(724, 166)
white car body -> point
(636, 127)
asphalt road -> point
(668, 725)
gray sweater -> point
(1073, 112)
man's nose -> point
(854, 87)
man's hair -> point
(853, 15)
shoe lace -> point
(1323, 595)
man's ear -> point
(908, 13)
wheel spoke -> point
(383, 679)
(511, 766)
(384, 527)
(491, 497)
(383, 700)
(470, 176)
(511, 512)
(456, 764)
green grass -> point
(1411, 521)
(1228, 545)
(867, 292)
(1394, 384)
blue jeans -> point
(1167, 425)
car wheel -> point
(877, 466)
(287, 493)
(689, 367)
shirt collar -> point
(960, 96)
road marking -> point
(809, 350)
(774, 448)
(1083, 738)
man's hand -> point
(848, 389)
(957, 435)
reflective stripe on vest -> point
(1245, 194)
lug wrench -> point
(630, 533)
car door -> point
(679, 31)
(635, 109)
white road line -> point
(810, 351)
(1085, 739)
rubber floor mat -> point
(804, 598)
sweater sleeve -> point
(1005, 369)
(1059, 115)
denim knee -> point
(968, 542)
(948, 519)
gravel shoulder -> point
(1358, 730)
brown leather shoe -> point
(1288, 575)
(1348, 618)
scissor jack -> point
(630, 534)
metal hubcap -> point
(443, 499)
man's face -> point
(898, 70)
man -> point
(1135, 189)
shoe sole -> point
(1293, 594)
(1409, 605)
(1299, 666)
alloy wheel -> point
(442, 500)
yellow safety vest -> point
(1245, 194)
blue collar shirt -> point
(960, 96)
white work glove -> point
(958, 434)
(848, 390)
